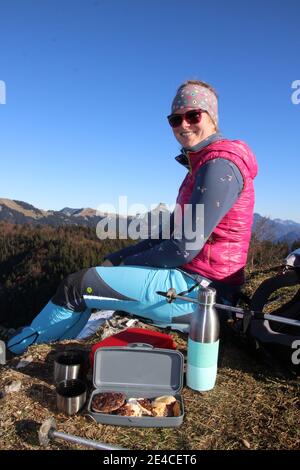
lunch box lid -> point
(138, 367)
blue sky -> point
(89, 85)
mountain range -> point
(19, 212)
(276, 230)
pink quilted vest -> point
(224, 255)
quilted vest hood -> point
(224, 254)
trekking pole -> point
(240, 313)
(48, 431)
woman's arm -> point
(117, 257)
(217, 186)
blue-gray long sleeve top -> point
(223, 184)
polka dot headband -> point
(197, 96)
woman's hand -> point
(107, 263)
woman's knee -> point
(70, 291)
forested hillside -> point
(33, 260)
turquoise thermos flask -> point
(203, 343)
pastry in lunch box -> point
(107, 402)
(166, 405)
(129, 409)
(144, 404)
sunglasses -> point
(192, 117)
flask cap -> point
(207, 296)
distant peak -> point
(69, 211)
(25, 205)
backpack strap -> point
(264, 330)
(288, 278)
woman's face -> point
(189, 135)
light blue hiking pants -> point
(131, 289)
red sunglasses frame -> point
(193, 116)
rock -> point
(246, 443)
(14, 386)
(24, 362)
